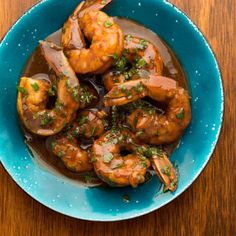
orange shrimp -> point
(73, 157)
(111, 166)
(33, 95)
(105, 36)
(156, 128)
(142, 55)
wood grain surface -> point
(206, 208)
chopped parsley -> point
(122, 88)
(75, 94)
(53, 144)
(139, 88)
(107, 157)
(58, 106)
(127, 92)
(88, 178)
(143, 44)
(144, 163)
(103, 2)
(139, 133)
(141, 63)
(47, 119)
(93, 130)
(153, 151)
(180, 115)
(52, 91)
(61, 154)
(107, 24)
(85, 96)
(93, 159)
(117, 166)
(22, 90)
(82, 120)
(115, 56)
(166, 170)
(35, 87)
(121, 64)
(128, 37)
(127, 76)
(36, 116)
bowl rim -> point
(211, 151)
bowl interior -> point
(197, 144)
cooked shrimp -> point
(73, 157)
(111, 166)
(72, 37)
(105, 36)
(142, 55)
(89, 124)
(156, 128)
(33, 95)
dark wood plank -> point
(206, 208)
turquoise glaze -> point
(197, 145)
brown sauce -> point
(39, 146)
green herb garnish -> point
(82, 120)
(22, 90)
(166, 171)
(107, 24)
(115, 56)
(139, 88)
(121, 64)
(93, 130)
(128, 37)
(58, 106)
(141, 63)
(75, 94)
(139, 133)
(93, 159)
(53, 144)
(52, 91)
(143, 44)
(153, 151)
(47, 119)
(61, 154)
(180, 115)
(107, 157)
(35, 87)
(88, 178)
(85, 96)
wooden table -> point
(207, 208)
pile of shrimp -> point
(127, 133)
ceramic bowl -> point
(106, 204)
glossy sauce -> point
(40, 146)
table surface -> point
(206, 208)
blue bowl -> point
(100, 204)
